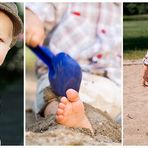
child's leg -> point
(145, 75)
(51, 108)
(44, 98)
(71, 109)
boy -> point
(10, 27)
(145, 71)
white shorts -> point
(95, 90)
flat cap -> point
(11, 10)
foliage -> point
(135, 8)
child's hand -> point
(145, 76)
(35, 34)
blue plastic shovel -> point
(64, 71)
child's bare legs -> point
(71, 111)
(145, 76)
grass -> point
(136, 17)
(135, 37)
(134, 54)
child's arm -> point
(40, 19)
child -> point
(10, 27)
(88, 32)
(145, 71)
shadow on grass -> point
(135, 48)
(139, 43)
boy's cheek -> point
(3, 53)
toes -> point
(64, 100)
(61, 106)
(72, 95)
(59, 117)
(60, 111)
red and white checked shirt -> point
(89, 32)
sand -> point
(47, 132)
(135, 105)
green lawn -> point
(136, 17)
(135, 40)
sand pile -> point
(47, 132)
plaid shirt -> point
(89, 32)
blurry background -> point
(31, 85)
(135, 30)
(11, 94)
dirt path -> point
(135, 106)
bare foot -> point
(71, 111)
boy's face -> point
(6, 34)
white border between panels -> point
(24, 81)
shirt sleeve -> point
(45, 11)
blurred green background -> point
(30, 61)
(135, 30)
(11, 93)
